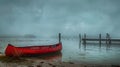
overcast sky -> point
(45, 17)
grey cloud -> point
(53, 16)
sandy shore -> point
(44, 63)
(40, 62)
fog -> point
(49, 17)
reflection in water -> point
(57, 56)
(51, 57)
(91, 54)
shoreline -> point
(44, 63)
(39, 62)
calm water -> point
(71, 50)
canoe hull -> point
(32, 50)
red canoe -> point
(32, 50)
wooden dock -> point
(107, 39)
(88, 39)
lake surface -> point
(72, 51)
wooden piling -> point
(59, 37)
(84, 42)
(79, 40)
(109, 40)
(100, 40)
(84, 39)
(107, 36)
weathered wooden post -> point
(59, 37)
(109, 39)
(100, 40)
(79, 40)
(84, 41)
(107, 35)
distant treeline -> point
(24, 36)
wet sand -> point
(43, 62)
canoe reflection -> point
(57, 56)
(50, 57)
